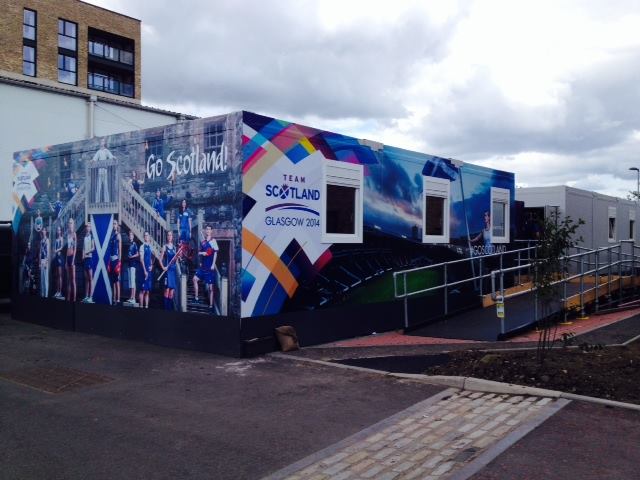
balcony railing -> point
(102, 196)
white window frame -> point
(436, 187)
(632, 218)
(612, 214)
(345, 175)
(501, 195)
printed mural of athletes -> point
(175, 186)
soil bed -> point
(612, 373)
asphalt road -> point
(583, 441)
(176, 414)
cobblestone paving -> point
(430, 443)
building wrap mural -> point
(223, 216)
(285, 265)
(149, 218)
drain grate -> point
(54, 379)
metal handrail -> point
(442, 264)
(405, 294)
(622, 259)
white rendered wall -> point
(31, 118)
(591, 207)
(542, 197)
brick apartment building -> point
(71, 45)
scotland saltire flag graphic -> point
(440, 168)
(101, 229)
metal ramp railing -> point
(479, 268)
(598, 274)
(593, 277)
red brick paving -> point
(397, 339)
(582, 326)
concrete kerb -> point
(470, 383)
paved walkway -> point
(429, 441)
(578, 327)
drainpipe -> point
(92, 115)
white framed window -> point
(500, 226)
(632, 224)
(612, 224)
(342, 206)
(435, 209)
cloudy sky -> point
(549, 90)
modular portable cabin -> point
(607, 219)
(273, 223)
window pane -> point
(111, 53)
(612, 228)
(70, 64)
(96, 48)
(29, 54)
(28, 32)
(126, 57)
(434, 215)
(29, 69)
(70, 29)
(60, 61)
(341, 209)
(60, 26)
(127, 89)
(498, 219)
(29, 17)
(631, 229)
(66, 42)
(67, 77)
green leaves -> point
(549, 266)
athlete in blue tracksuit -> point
(168, 264)
(146, 260)
(184, 221)
(160, 204)
(208, 252)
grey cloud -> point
(273, 57)
(598, 110)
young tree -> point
(549, 267)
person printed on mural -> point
(103, 190)
(146, 261)
(133, 258)
(208, 251)
(88, 247)
(115, 265)
(71, 243)
(71, 187)
(184, 222)
(160, 202)
(485, 235)
(27, 268)
(168, 259)
(45, 259)
(38, 223)
(57, 206)
(58, 263)
(135, 182)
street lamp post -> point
(637, 170)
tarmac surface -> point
(583, 441)
(481, 324)
(131, 410)
(176, 414)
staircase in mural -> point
(76, 209)
(140, 217)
